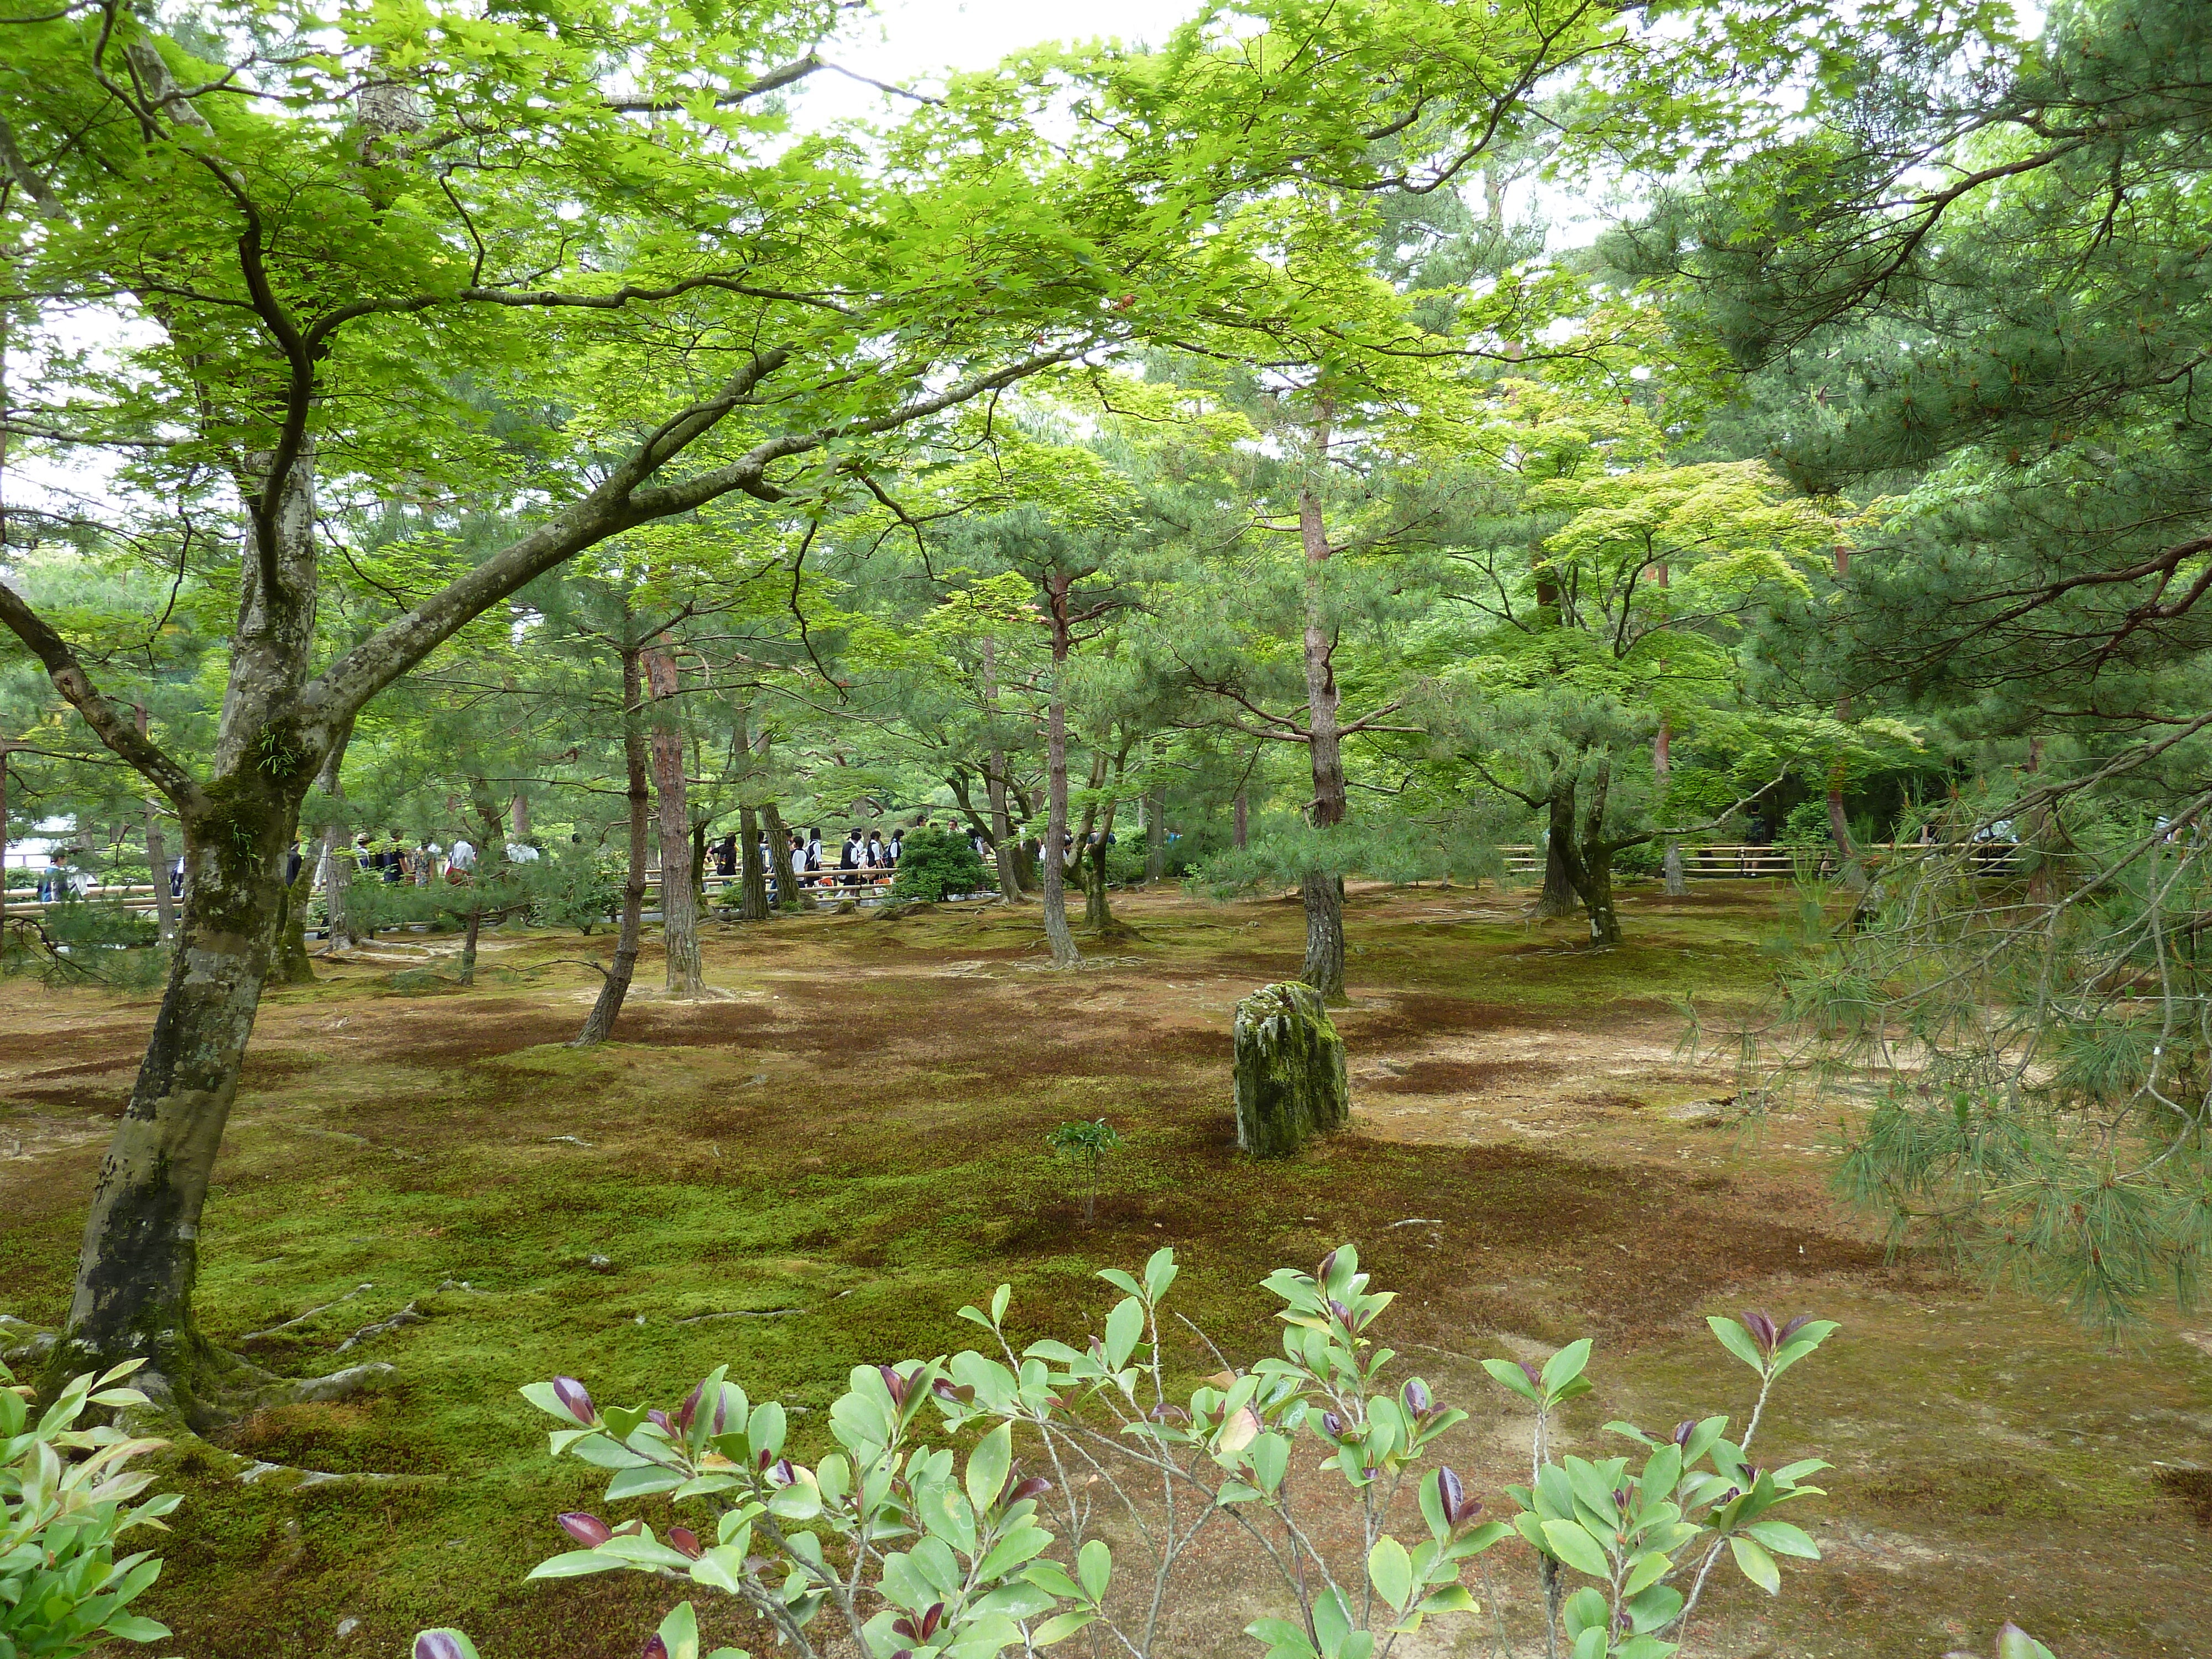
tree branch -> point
(113, 728)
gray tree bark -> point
(753, 900)
(1056, 931)
(1322, 891)
(679, 903)
(601, 1025)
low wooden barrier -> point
(1743, 860)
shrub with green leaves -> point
(934, 862)
(906, 1550)
(65, 1497)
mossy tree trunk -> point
(752, 897)
(601, 1025)
(1561, 895)
(679, 904)
(293, 965)
(1292, 1083)
(1595, 858)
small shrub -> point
(1807, 825)
(571, 887)
(902, 1553)
(1089, 1142)
(64, 1499)
(935, 862)
(94, 925)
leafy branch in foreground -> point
(2030, 1025)
(912, 1553)
(65, 1497)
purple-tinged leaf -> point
(1035, 1486)
(586, 1529)
(685, 1541)
(575, 1399)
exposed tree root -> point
(301, 1319)
(234, 1391)
(409, 1314)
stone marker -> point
(1290, 1078)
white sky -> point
(905, 41)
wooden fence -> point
(1740, 859)
(1736, 860)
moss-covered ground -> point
(816, 1169)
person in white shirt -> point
(462, 861)
(521, 851)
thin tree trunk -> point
(1237, 823)
(338, 866)
(491, 864)
(679, 906)
(1662, 768)
(1848, 863)
(1097, 914)
(1004, 851)
(292, 966)
(1156, 837)
(1056, 931)
(601, 1023)
(779, 847)
(157, 858)
(1321, 891)
(753, 901)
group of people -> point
(860, 853)
(864, 856)
(391, 859)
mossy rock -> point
(1292, 1082)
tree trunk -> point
(778, 848)
(1322, 890)
(1560, 896)
(140, 1259)
(679, 904)
(1156, 838)
(753, 900)
(1064, 953)
(1848, 864)
(157, 852)
(1097, 914)
(293, 965)
(491, 864)
(136, 1272)
(1662, 768)
(601, 1023)
(470, 929)
(1237, 823)
(337, 865)
(1004, 850)
(1593, 864)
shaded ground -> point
(851, 1145)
